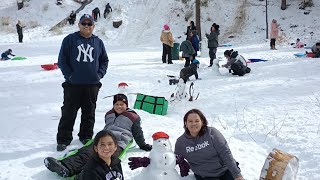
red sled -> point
(49, 67)
(310, 55)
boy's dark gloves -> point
(136, 162)
(183, 165)
(146, 147)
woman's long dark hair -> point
(202, 118)
(192, 27)
(102, 134)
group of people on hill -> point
(99, 158)
(96, 12)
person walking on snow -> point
(274, 33)
(167, 41)
(213, 42)
(95, 13)
(83, 61)
(107, 10)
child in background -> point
(299, 44)
(274, 33)
(4, 55)
(186, 72)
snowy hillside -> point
(275, 106)
(143, 20)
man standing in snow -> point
(83, 61)
(19, 31)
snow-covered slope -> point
(143, 20)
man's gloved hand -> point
(183, 165)
(146, 147)
(136, 162)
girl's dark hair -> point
(202, 118)
(192, 24)
(102, 134)
(228, 52)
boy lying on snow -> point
(315, 50)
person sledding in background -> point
(123, 122)
(167, 41)
(316, 50)
(213, 42)
(236, 63)
(4, 55)
(187, 52)
(299, 44)
(214, 160)
(103, 162)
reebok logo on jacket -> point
(197, 147)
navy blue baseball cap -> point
(86, 16)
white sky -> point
(275, 106)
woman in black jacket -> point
(190, 28)
(103, 165)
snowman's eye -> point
(159, 141)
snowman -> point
(160, 165)
(122, 87)
(215, 66)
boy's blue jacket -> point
(83, 60)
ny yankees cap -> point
(86, 16)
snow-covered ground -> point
(275, 106)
